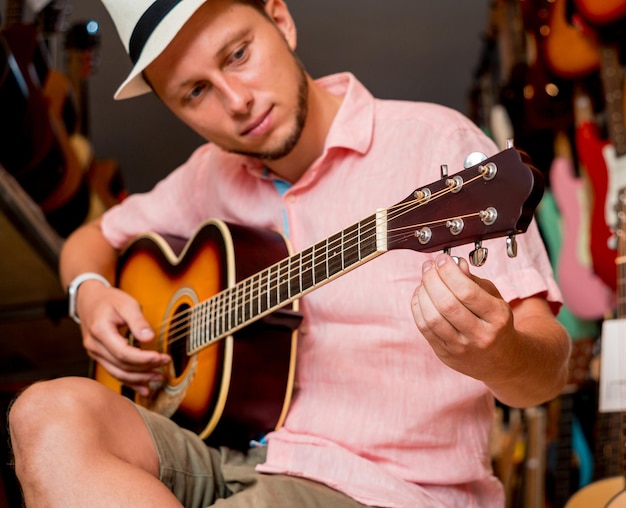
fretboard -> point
(282, 283)
(13, 12)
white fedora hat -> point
(146, 27)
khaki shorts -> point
(201, 476)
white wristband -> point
(72, 290)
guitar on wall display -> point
(602, 12)
(105, 180)
(610, 492)
(40, 101)
(605, 164)
(212, 304)
(584, 293)
(569, 52)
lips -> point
(259, 126)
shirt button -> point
(291, 198)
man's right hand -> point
(104, 312)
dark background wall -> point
(401, 49)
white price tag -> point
(613, 366)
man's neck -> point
(323, 107)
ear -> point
(279, 13)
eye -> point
(194, 93)
(239, 55)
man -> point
(398, 360)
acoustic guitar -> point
(224, 303)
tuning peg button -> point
(511, 246)
(479, 255)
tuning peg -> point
(444, 170)
(473, 158)
(448, 251)
(479, 255)
(511, 246)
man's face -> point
(231, 75)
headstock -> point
(494, 198)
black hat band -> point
(146, 25)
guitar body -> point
(591, 148)
(601, 12)
(235, 389)
(568, 51)
(585, 294)
(607, 493)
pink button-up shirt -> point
(376, 414)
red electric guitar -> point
(604, 160)
(225, 307)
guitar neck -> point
(263, 293)
(621, 255)
(613, 85)
(441, 215)
(14, 12)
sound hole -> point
(177, 341)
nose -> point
(236, 96)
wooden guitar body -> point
(607, 493)
(601, 12)
(236, 389)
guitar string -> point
(181, 326)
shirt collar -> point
(352, 127)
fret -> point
(367, 237)
(295, 282)
(223, 312)
(263, 294)
(192, 337)
(245, 297)
(284, 289)
(237, 308)
(351, 245)
(334, 257)
(306, 270)
(272, 283)
(204, 335)
(230, 308)
(218, 317)
(320, 251)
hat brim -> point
(161, 37)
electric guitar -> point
(605, 164)
(610, 492)
(225, 306)
(584, 293)
(569, 52)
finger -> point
(136, 322)
(142, 383)
(479, 296)
(426, 313)
(107, 343)
(443, 280)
